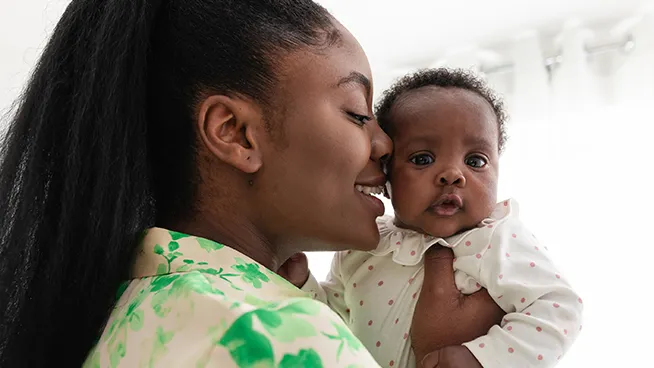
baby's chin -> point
(442, 233)
(447, 227)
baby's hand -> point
(295, 270)
(456, 356)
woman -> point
(236, 132)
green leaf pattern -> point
(305, 358)
(250, 273)
(345, 339)
(264, 321)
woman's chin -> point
(364, 240)
(356, 233)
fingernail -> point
(430, 360)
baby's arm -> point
(330, 292)
(544, 312)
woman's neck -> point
(233, 232)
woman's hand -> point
(455, 356)
(445, 317)
(295, 270)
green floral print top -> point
(193, 302)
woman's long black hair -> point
(101, 147)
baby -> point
(448, 132)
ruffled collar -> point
(408, 246)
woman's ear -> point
(228, 127)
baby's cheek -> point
(491, 194)
(488, 196)
(407, 196)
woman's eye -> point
(422, 160)
(476, 162)
(361, 119)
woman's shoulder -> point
(188, 319)
(157, 317)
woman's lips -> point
(373, 203)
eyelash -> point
(480, 157)
(431, 160)
(361, 119)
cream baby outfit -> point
(376, 292)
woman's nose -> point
(381, 144)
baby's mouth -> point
(447, 205)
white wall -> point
(24, 28)
(600, 165)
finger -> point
(299, 258)
(295, 269)
(482, 306)
(482, 295)
(299, 268)
(480, 299)
(301, 263)
(431, 360)
(283, 272)
(439, 269)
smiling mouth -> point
(367, 193)
(447, 205)
(369, 190)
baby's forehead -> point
(426, 111)
(413, 137)
(439, 100)
(437, 114)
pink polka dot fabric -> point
(376, 292)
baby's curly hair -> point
(446, 78)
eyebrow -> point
(479, 142)
(356, 78)
(413, 143)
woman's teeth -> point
(369, 190)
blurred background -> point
(578, 79)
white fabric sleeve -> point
(313, 287)
(544, 313)
(330, 292)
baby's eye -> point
(476, 161)
(422, 159)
